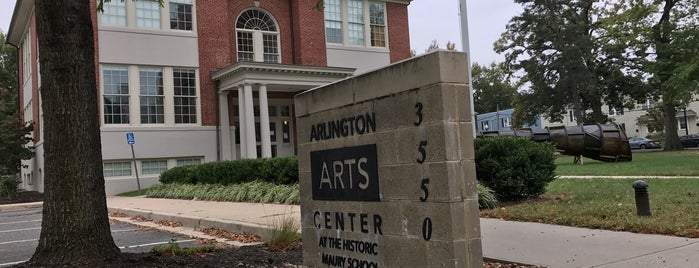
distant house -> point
(500, 121)
(634, 121)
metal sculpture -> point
(606, 142)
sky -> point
(429, 20)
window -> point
(181, 15)
(285, 132)
(333, 21)
(115, 169)
(352, 14)
(27, 55)
(682, 123)
(188, 161)
(614, 111)
(647, 104)
(257, 37)
(272, 110)
(484, 125)
(114, 13)
(272, 132)
(185, 82)
(116, 94)
(506, 122)
(149, 167)
(355, 25)
(378, 24)
(152, 107)
(571, 115)
(285, 111)
(147, 14)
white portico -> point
(263, 95)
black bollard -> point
(642, 202)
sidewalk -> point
(531, 243)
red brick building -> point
(207, 80)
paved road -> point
(19, 234)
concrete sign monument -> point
(386, 168)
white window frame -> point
(187, 161)
(169, 97)
(506, 122)
(195, 98)
(105, 94)
(148, 14)
(259, 39)
(133, 17)
(146, 94)
(367, 39)
(177, 21)
(115, 13)
(153, 166)
(111, 172)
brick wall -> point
(215, 51)
(310, 39)
(398, 34)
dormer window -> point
(257, 37)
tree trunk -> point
(75, 225)
(672, 139)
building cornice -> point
(20, 20)
(407, 2)
(261, 67)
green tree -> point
(559, 46)
(14, 134)
(75, 226)
(492, 88)
(663, 35)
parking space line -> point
(157, 243)
(17, 230)
(18, 241)
(13, 263)
(14, 222)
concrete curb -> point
(197, 223)
(21, 206)
(624, 177)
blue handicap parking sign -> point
(130, 138)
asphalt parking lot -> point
(19, 235)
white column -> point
(264, 123)
(224, 126)
(241, 122)
(250, 123)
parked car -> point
(690, 140)
(643, 143)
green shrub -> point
(281, 170)
(486, 197)
(174, 249)
(515, 168)
(9, 184)
(183, 174)
(258, 192)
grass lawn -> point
(609, 204)
(134, 193)
(644, 164)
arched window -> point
(257, 36)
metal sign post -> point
(131, 140)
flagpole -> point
(466, 48)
